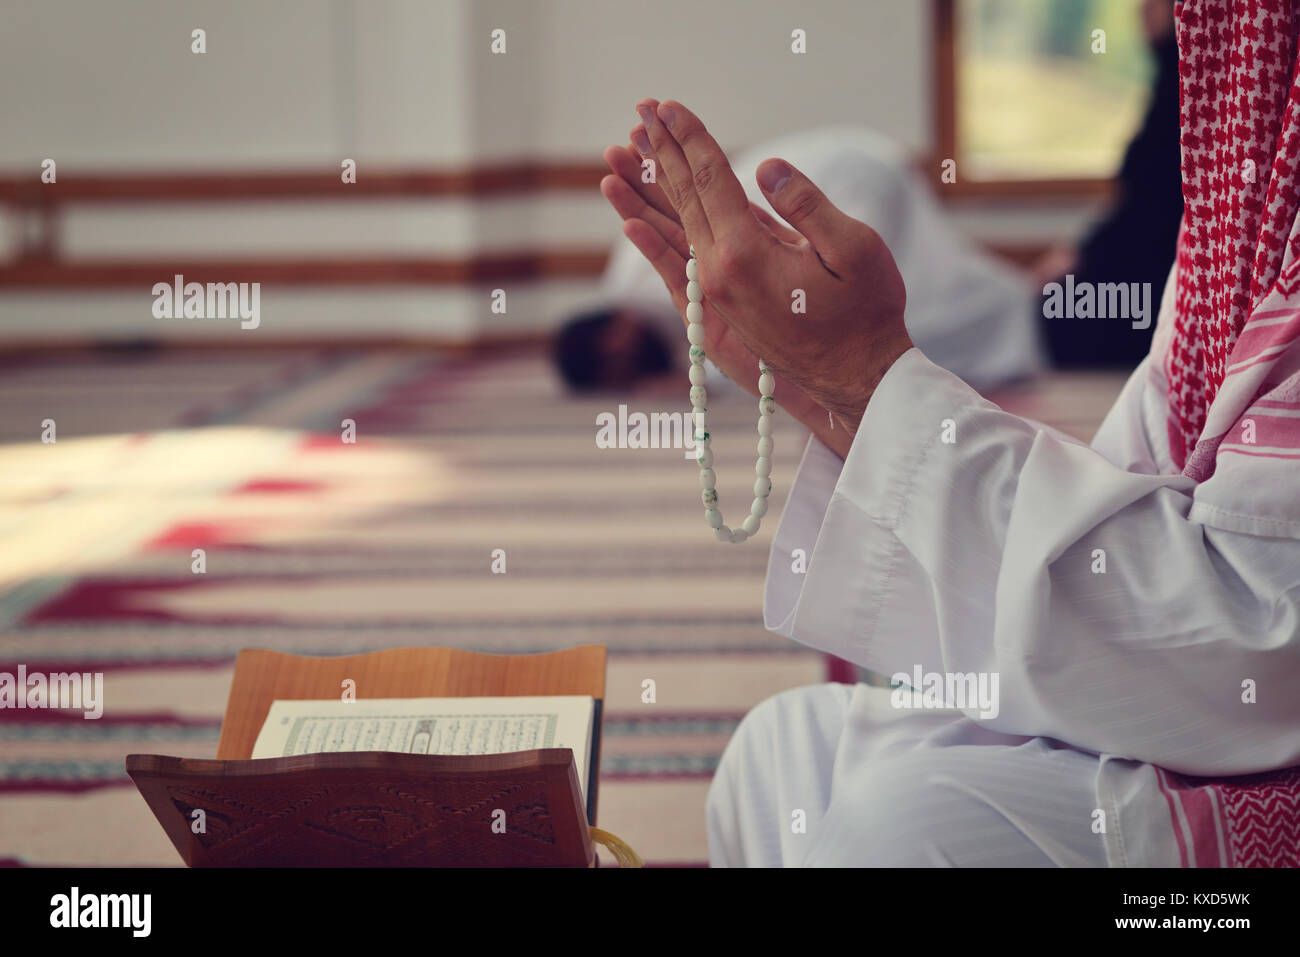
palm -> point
(722, 346)
(653, 220)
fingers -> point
(675, 177)
(627, 163)
(630, 204)
(667, 261)
(721, 343)
(708, 178)
(836, 236)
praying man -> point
(1138, 598)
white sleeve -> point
(985, 554)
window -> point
(1027, 99)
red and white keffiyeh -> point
(1249, 821)
(1231, 360)
(1231, 355)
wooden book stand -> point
(374, 808)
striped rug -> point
(317, 546)
(314, 545)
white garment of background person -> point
(968, 312)
(980, 555)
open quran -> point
(407, 757)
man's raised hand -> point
(751, 266)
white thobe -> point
(967, 311)
(1130, 621)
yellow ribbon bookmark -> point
(621, 850)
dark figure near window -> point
(1135, 241)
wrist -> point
(851, 403)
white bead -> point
(692, 269)
(691, 246)
(693, 292)
(694, 312)
(704, 454)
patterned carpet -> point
(316, 546)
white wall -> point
(577, 67)
(292, 83)
(99, 85)
(301, 84)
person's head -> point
(1157, 20)
(607, 348)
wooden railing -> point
(41, 264)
